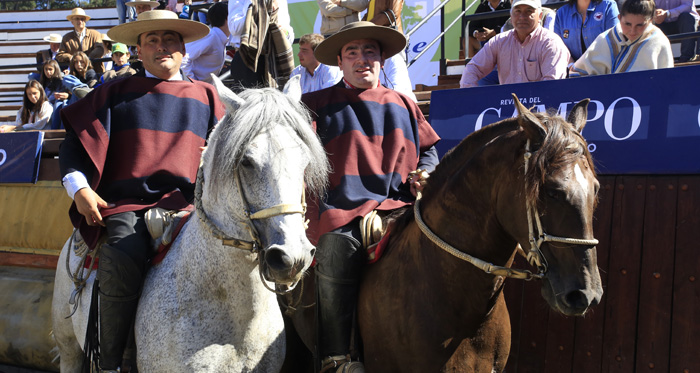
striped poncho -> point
(612, 52)
(138, 143)
(373, 138)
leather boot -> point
(340, 262)
(119, 281)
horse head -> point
(260, 158)
(560, 190)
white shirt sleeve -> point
(237, 10)
(73, 182)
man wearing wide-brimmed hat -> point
(133, 144)
(81, 39)
(44, 55)
(140, 6)
(374, 137)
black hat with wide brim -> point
(391, 40)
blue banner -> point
(20, 153)
(645, 122)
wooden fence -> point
(649, 317)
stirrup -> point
(343, 363)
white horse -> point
(206, 306)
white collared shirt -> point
(205, 56)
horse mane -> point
(561, 146)
(263, 110)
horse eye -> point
(552, 193)
(245, 162)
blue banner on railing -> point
(20, 153)
(644, 122)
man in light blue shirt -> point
(577, 30)
(314, 75)
(206, 56)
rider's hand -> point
(416, 180)
(89, 204)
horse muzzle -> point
(282, 268)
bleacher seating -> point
(20, 39)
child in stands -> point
(35, 111)
(634, 44)
(81, 67)
(120, 62)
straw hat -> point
(392, 41)
(53, 38)
(78, 12)
(156, 20)
(133, 3)
(105, 37)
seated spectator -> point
(528, 53)
(52, 80)
(137, 7)
(314, 75)
(35, 111)
(579, 22)
(206, 56)
(546, 20)
(336, 14)
(482, 30)
(185, 14)
(81, 67)
(44, 55)
(107, 44)
(678, 17)
(81, 39)
(120, 59)
(635, 44)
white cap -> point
(533, 3)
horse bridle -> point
(535, 256)
(255, 244)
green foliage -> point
(410, 16)
(17, 5)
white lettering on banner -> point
(592, 147)
(481, 117)
(636, 118)
(4, 156)
(599, 109)
(594, 106)
(698, 118)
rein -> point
(534, 256)
(254, 245)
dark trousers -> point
(122, 266)
(243, 77)
(685, 23)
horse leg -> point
(298, 358)
(70, 352)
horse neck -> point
(461, 203)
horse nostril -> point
(577, 299)
(313, 252)
(278, 260)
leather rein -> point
(254, 245)
(535, 256)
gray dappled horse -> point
(207, 306)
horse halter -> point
(254, 245)
(534, 255)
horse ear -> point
(530, 124)
(293, 88)
(230, 99)
(579, 115)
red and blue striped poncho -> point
(373, 138)
(141, 137)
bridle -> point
(254, 245)
(534, 256)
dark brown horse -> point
(434, 301)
